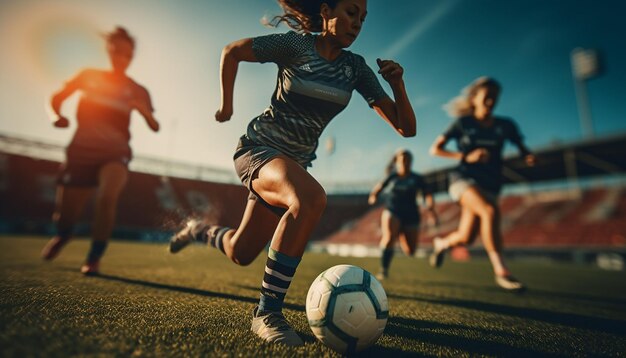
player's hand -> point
(223, 115)
(61, 122)
(391, 71)
(478, 155)
(371, 199)
(140, 106)
(530, 160)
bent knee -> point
(312, 202)
(487, 210)
(242, 261)
(317, 200)
(241, 256)
(466, 238)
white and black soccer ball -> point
(347, 308)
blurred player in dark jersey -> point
(97, 157)
(476, 182)
(400, 221)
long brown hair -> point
(303, 15)
(391, 166)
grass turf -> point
(197, 303)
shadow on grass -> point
(423, 331)
(374, 351)
(380, 351)
(531, 292)
(605, 325)
(193, 291)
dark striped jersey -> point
(104, 110)
(310, 91)
(399, 194)
(470, 134)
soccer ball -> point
(347, 308)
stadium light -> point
(585, 66)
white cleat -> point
(510, 283)
(439, 251)
(273, 327)
(184, 237)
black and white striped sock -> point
(279, 271)
(216, 236)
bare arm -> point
(374, 194)
(146, 111)
(438, 149)
(232, 54)
(59, 97)
(529, 157)
(475, 156)
(399, 113)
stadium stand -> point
(543, 219)
(150, 207)
(160, 200)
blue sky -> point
(443, 45)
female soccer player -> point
(401, 217)
(316, 77)
(98, 155)
(477, 180)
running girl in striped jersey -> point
(316, 78)
(401, 217)
(477, 180)
(98, 155)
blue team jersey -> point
(470, 134)
(310, 91)
(400, 193)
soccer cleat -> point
(273, 328)
(510, 283)
(90, 268)
(439, 251)
(53, 248)
(185, 236)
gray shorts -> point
(459, 185)
(249, 158)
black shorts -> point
(249, 158)
(459, 183)
(407, 218)
(84, 172)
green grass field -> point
(148, 302)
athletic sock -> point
(385, 258)
(279, 271)
(215, 236)
(96, 251)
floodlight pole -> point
(584, 108)
(585, 65)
